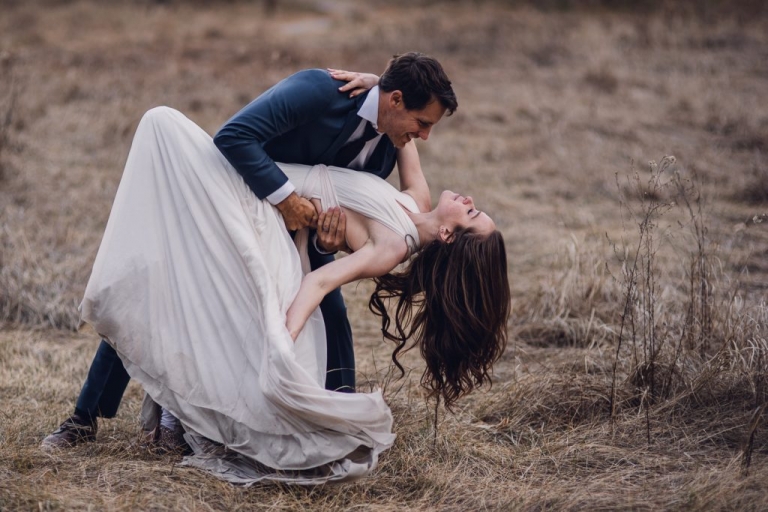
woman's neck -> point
(427, 225)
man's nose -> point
(424, 134)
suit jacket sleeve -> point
(295, 101)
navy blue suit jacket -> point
(303, 119)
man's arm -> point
(295, 101)
(412, 180)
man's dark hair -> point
(420, 78)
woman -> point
(200, 289)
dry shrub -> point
(701, 351)
(644, 188)
(689, 350)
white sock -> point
(168, 420)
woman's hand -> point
(358, 83)
(332, 230)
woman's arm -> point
(412, 180)
(371, 260)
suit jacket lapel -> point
(351, 122)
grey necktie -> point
(350, 150)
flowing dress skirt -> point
(191, 284)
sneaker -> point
(73, 431)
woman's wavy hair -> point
(453, 302)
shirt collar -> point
(370, 108)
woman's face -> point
(455, 211)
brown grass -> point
(560, 109)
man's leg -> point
(100, 396)
(340, 374)
(104, 387)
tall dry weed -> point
(656, 340)
(700, 343)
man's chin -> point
(399, 144)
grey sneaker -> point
(73, 431)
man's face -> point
(401, 125)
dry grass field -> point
(636, 374)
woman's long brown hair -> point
(453, 302)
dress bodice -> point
(361, 192)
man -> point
(304, 119)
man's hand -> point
(332, 230)
(358, 82)
(297, 212)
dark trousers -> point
(104, 386)
(107, 379)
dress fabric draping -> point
(191, 285)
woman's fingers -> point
(331, 229)
(339, 73)
(321, 220)
(357, 82)
(334, 224)
(341, 229)
(330, 220)
(326, 224)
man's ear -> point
(396, 99)
(445, 234)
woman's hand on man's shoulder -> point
(357, 83)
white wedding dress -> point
(191, 284)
